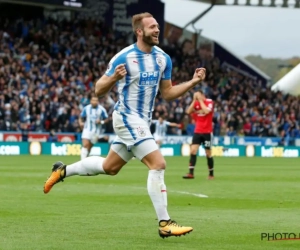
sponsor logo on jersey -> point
(149, 78)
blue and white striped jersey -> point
(91, 115)
(161, 128)
(138, 89)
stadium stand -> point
(48, 70)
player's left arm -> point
(170, 92)
(206, 108)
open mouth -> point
(155, 36)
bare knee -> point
(86, 144)
(159, 165)
(155, 161)
(112, 172)
(113, 163)
(194, 149)
(109, 169)
(208, 153)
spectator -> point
(231, 131)
(47, 71)
(52, 137)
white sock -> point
(158, 193)
(89, 166)
(84, 153)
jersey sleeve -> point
(167, 123)
(114, 62)
(167, 74)
(83, 113)
(154, 121)
(210, 105)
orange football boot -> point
(57, 175)
(171, 228)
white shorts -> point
(133, 138)
(158, 137)
(130, 129)
(139, 151)
(91, 136)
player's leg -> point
(88, 139)
(210, 159)
(86, 148)
(148, 152)
(193, 156)
(117, 157)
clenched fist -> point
(120, 72)
(199, 75)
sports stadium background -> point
(52, 52)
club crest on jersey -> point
(141, 132)
(159, 62)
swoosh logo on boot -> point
(165, 231)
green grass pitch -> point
(249, 196)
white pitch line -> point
(172, 191)
(188, 193)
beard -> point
(94, 105)
(149, 40)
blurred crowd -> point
(48, 70)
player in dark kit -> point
(202, 108)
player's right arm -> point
(190, 109)
(116, 71)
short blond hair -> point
(137, 20)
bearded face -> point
(150, 37)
